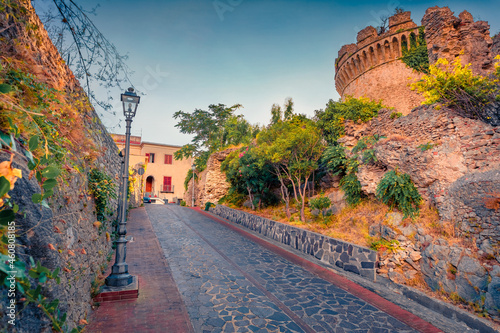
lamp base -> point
(119, 280)
(111, 293)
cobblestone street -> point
(232, 284)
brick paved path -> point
(159, 307)
(231, 284)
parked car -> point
(147, 200)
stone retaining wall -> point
(332, 251)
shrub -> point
(362, 145)
(395, 115)
(334, 159)
(382, 244)
(350, 183)
(456, 86)
(427, 146)
(331, 120)
(321, 203)
(369, 156)
(352, 188)
(183, 203)
(397, 190)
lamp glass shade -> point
(130, 101)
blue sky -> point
(187, 54)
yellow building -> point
(163, 176)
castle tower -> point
(373, 67)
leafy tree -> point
(237, 130)
(247, 176)
(214, 129)
(331, 120)
(293, 149)
(277, 114)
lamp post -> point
(122, 165)
(193, 167)
(119, 276)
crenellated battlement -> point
(372, 49)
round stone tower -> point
(372, 67)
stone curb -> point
(446, 317)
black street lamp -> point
(119, 276)
(193, 167)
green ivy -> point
(102, 187)
(416, 57)
(397, 190)
(189, 178)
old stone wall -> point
(211, 185)
(458, 174)
(449, 36)
(349, 257)
(63, 235)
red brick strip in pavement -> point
(159, 307)
(368, 296)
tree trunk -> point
(250, 197)
(284, 191)
(303, 198)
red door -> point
(149, 184)
(167, 184)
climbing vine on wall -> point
(102, 187)
(416, 56)
(35, 122)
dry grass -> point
(493, 202)
(351, 224)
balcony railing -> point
(167, 189)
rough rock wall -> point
(448, 36)
(495, 47)
(68, 224)
(459, 175)
(211, 185)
